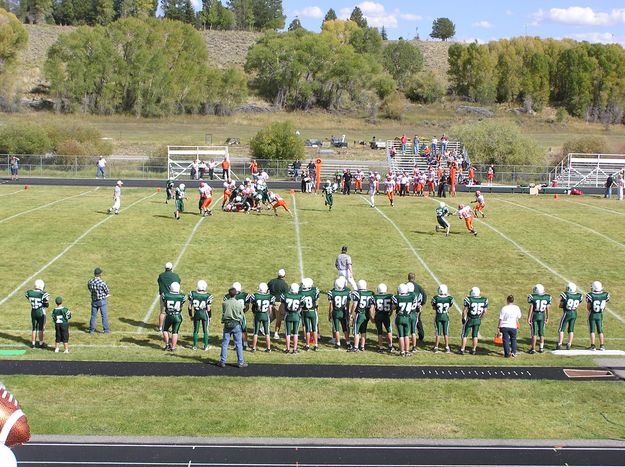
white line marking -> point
(67, 248)
(298, 240)
(561, 219)
(44, 206)
(148, 314)
(411, 247)
(595, 207)
(523, 250)
(12, 193)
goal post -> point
(180, 158)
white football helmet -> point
(201, 286)
(402, 289)
(236, 286)
(262, 287)
(339, 283)
(362, 284)
(442, 289)
(410, 287)
(539, 289)
(307, 283)
(461, 206)
(182, 186)
(441, 205)
(478, 193)
(119, 183)
(475, 292)
(597, 287)
(294, 288)
(174, 287)
(382, 288)
(571, 288)
(39, 284)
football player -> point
(414, 315)
(291, 303)
(402, 305)
(277, 201)
(261, 304)
(475, 307)
(389, 188)
(569, 302)
(200, 312)
(338, 311)
(596, 301)
(173, 300)
(480, 204)
(229, 187)
(383, 308)
(308, 306)
(538, 316)
(117, 198)
(206, 198)
(169, 189)
(442, 211)
(373, 183)
(180, 196)
(441, 304)
(362, 312)
(39, 300)
(244, 299)
(328, 189)
(464, 212)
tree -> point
(383, 34)
(330, 16)
(225, 89)
(136, 8)
(277, 141)
(13, 38)
(215, 16)
(426, 88)
(35, 11)
(402, 59)
(443, 29)
(63, 12)
(243, 13)
(178, 10)
(295, 24)
(358, 17)
(103, 12)
(367, 41)
(268, 14)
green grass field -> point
(60, 234)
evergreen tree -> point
(443, 29)
(35, 11)
(358, 18)
(137, 8)
(63, 12)
(383, 34)
(215, 16)
(330, 16)
(268, 14)
(295, 25)
(179, 10)
(243, 13)
(102, 12)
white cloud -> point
(197, 4)
(599, 37)
(581, 16)
(377, 15)
(309, 12)
(471, 40)
(483, 24)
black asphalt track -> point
(293, 370)
(301, 454)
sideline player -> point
(39, 300)
(389, 187)
(373, 188)
(338, 309)
(415, 314)
(383, 308)
(402, 304)
(475, 307)
(200, 312)
(441, 304)
(308, 305)
(328, 189)
(569, 302)
(464, 212)
(169, 190)
(277, 201)
(291, 303)
(173, 300)
(442, 211)
(538, 316)
(362, 307)
(261, 306)
(206, 198)
(480, 204)
(180, 196)
(596, 301)
(117, 198)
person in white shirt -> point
(211, 168)
(343, 265)
(509, 317)
(117, 197)
(620, 183)
(101, 165)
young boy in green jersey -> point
(39, 301)
(261, 305)
(338, 311)
(200, 312)
(569, 302)
(383, 309)
(475, 307)
(538, 316)
(60, 318)
(291, 303)
(362, 306)
(596, 301)
(173, 300)
(441, 304)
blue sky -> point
(483, 20)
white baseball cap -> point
(119, 182)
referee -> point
(343, 265)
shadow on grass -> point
(133, 322)
(146, 341)
(163, 216)
(18, 339)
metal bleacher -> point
(406, 162)
(180, 158)
(587, 170)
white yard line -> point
(43, 207)
(611, 211)
(298, 241)
(523, 250)
(561, 219)
(148, 313)
(411, 247)
(12, 193)
(67, 248)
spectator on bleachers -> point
(434, 146)
(404, 141)
(444, 143)
(297, 166)
(416, 145)
(609, 183)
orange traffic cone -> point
(498, 340)
(26, 187)
(158, 190)
(555, 196)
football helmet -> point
(182, 186)
(441, 205)
(294, 288)
(262, 287)
(478, 193)
(39, 284)
(410, 287)
(382, 288)
(442, 289)
(307, 283)
(236, 286)
(475, 292)
(362, 284)
(597, 287)
(174, 287)
(281, 273)
(402, 289)
(119, 183)
(201, 286)
(539, 289)
(339, 283)
(461, 206)
(571, 288)
(169, 266)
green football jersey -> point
(180, 194)
(339, 298)
(309, 299)
(199, 301)
(262, 302)
(404, 304)
(383, 303)
(61, 315)
(363, 300)
(173, 302)
(598, 301)
(243, 298)
(291, 302)
(442, 212)
(38, 299)
(328, 189)
(442, 303)
(570, 301)
(540, 302)
(476, 305)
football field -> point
(60, 234)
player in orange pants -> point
(480, 204)
(228, 187)
(390, 189)
(464, 212)
(276, 202)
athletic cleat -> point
(541, 350)
(558, 347)
(306, 348)
(286, 350)
(362, 349)
(568, 346)
(602, 348)
(276, 335)
(434, 349)
(267, 350)
(315, 348)
(253, 350)
(66, 351)
(194, 347)
(473, 351)
(206, 347)
(447, 350)
(593, 348)
(461, 351)
(56, 350)
(167, 347)
(531, 351)
(337, 346)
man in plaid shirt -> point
(99, 293)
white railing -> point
(180, 159)
(587, 170)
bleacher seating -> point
(587, 170)
(406, 162)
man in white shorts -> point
(343, 265)
(117, 197)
